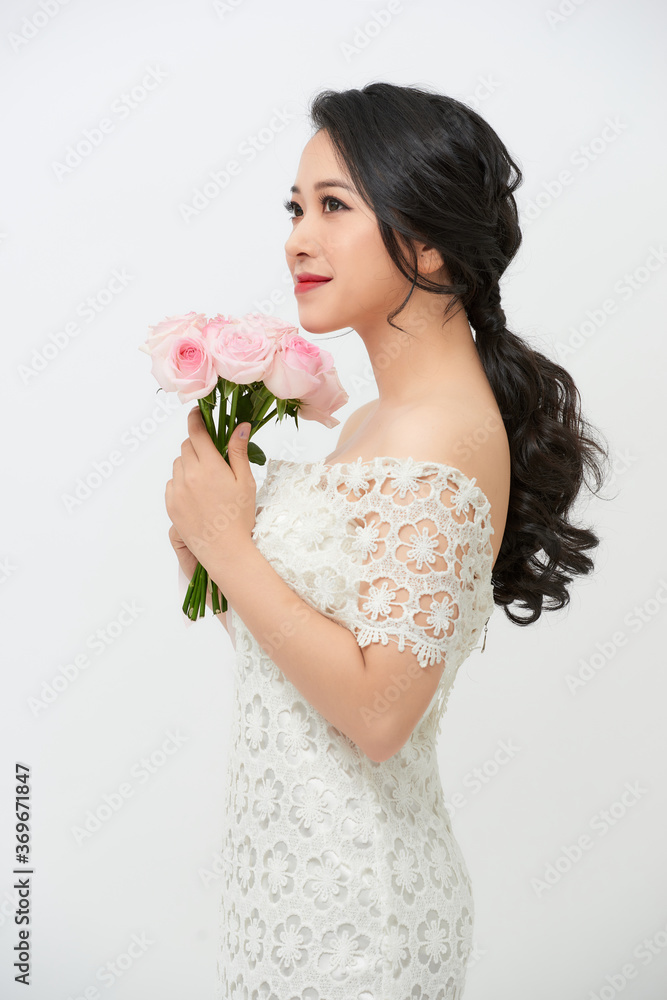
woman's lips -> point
(306, 286)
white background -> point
(548, 83)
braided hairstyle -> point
(433, 170)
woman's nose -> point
(302, 239)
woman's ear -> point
(429, 259)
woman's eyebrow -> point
(334, 182)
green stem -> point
(196, 598)
(202, 597)
(231, 422)
(208, 419)
(266, 418)
(232, 415)
(194, 604)
(197, 601)
(267, 403)
(188, 595)
(191, 594)
(215, 604)
(222, 424)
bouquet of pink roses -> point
(253, 362)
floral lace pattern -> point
(342, 878)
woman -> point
(357, 585)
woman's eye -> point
(292, 206)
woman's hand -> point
(187, 560)
(188, 563)
(211, 503)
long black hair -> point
(432, 169)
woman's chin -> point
(312, 325)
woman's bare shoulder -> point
(355, 419)
(469, 436)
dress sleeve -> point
(423, 564)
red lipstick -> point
(306, 280)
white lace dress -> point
(342, 879)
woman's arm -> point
(321, 658)
(349, 427)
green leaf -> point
(226, 388)
(255, 454)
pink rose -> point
(327, 397)
(184, 365)
(190, 353)
(272, 325)
(214, 326)
(241, 352)
(174, 326)
(295, 367)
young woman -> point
(357, 585)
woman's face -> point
(338, 238)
